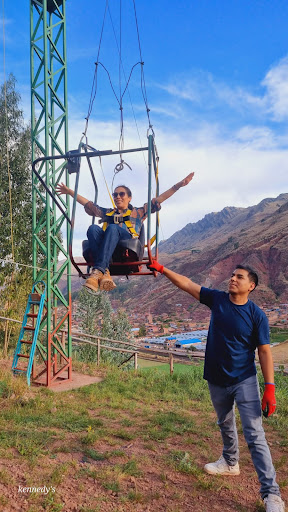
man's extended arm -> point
(172, 190)
(184, 283)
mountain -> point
(222, 223)
(207, 252)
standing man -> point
(237, 328)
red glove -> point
(269, 400)
(156, 266)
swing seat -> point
(130, 250)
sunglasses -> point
(120, 194)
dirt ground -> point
(158, 488)
(82, 484)
(280, 353)
(78, 380)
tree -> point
(15, 208)
(15, 179)
(142, 331)
(99, 319)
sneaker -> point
(274, 503)
(220, 467)
(106, 282)
(92, 281)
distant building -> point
(169, 342)
(200, 335)
(186, 343)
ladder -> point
(27, 341)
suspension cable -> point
(143, 84)
(17, 265)
(121, 139)
(127, 82)
(94, 84)
(119, 167)
(121, 95)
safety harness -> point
(118, 218)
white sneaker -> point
(274, 503)
(220, 467)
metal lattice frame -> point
(50, 137)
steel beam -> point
(49, 128)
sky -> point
(216, 76)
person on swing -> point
(128, 221)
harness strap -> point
(116, 218)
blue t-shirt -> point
(234, 333)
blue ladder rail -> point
(35, 299)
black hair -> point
(128, 191)
(251, 273)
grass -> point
(164, 367)
(278, 335)
(131, 468)
(182, 462)
(144, 363)
(103, 441)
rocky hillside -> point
(207, 252)
(220, 224)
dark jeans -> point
(247, 397)
(103, 243)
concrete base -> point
(78, 381)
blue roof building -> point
(187, 343)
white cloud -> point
(227, 173)
(202, 89)
(233, 167)
(175, 113)
(258, 137)
(79, 53)
(276, 83)
(238, 98)
(185, 89)
(7, 21)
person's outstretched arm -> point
(174, 189)
(182, 282)
(61, 189)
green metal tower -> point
(49, 120)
